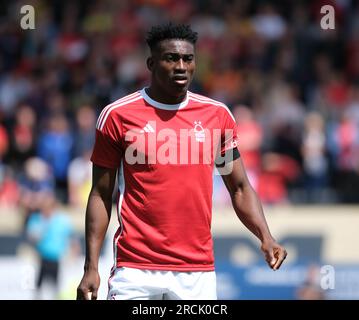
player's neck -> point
(158, 95)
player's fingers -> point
(270, 258)
(282, 254)
(94, 294)
(82, 294)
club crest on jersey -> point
(199, 131)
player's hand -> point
(88, 287)
(274, 253)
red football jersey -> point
(165, 155)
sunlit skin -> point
(172, 65)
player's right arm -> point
(98, 214)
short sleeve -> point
(108, 148)
(229, 136)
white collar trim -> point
(164, 106)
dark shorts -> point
(48, 270)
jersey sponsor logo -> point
(193, 145)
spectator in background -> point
(84, 136)
(310, 289)
(4, 142)
(9, 189)
(284, 117)
(71, 45)
(277, 172)
(13, 88)
(55, 147)
(353, 105)
(35, 180)
(315, 163)
(56, 104)
(268, 23)
(79, 179)
(22, 136)
(346, 138)
(51, 231)
(344, 149)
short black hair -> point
(170, 31)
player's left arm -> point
(249, 210)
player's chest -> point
(200, 125)
(174, 136)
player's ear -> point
(150, 63)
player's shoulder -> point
(117, 107)
(204, 99)
(216, 105)
(124, 101)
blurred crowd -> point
(292, 87)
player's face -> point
(173, 65)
